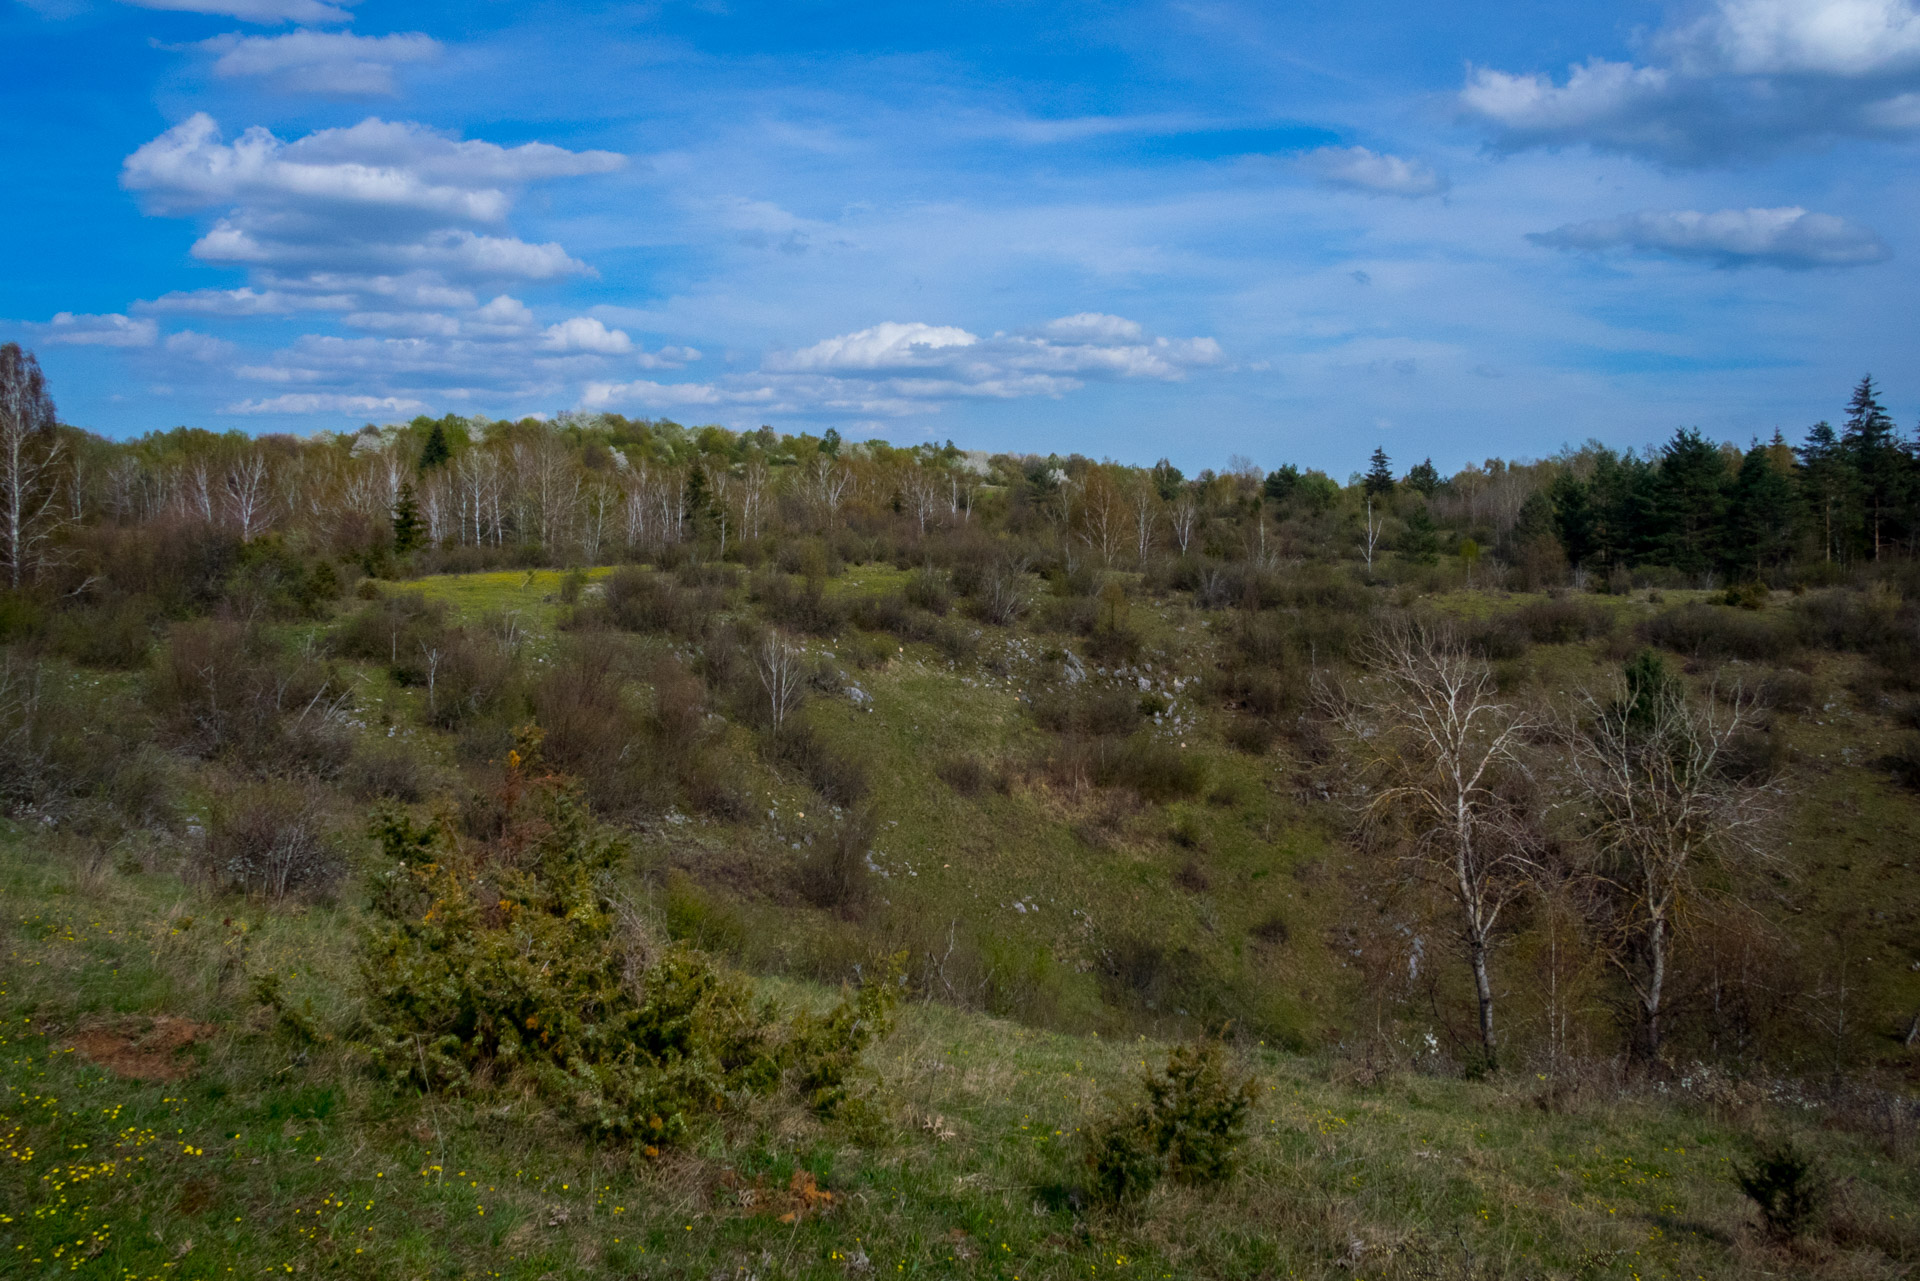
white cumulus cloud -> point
(325, 62)
(317, 13)
(329, 403)
(1786, 237)
(383, 216)
(1744, 78)
(374, 163)
(111, 330)
(1092, 326)
(898, 368)
(585, 334)
(245, 301)
(1361, 169)
(1800, 37)
(888, 345)
(423, 323)
(198, 346)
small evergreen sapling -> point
(1787, 1186)
(1189, 1127)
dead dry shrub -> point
(833, 872)
(965, 773)
(387, 769)
(837, 775)
(224, 689)
(270, 839)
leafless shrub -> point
(226, 689)
(833, 872)
(387, 769)
(270, 839)
(1003, 597)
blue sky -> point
(1188, 229)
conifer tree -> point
(436, 451)
(1281, 483)
(1423, 478)
(1379, 477)
(1691, 502)
(1573, 516)
(1824, 484)
(1872, 452)
(407, 531)
(1760, 516)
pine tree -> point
(1760, 516)
(1691, 502)
(1872, 452)
(407, 530)
(1825, 484)
(1573, 516)
(1281, 482)
(1167, 480)
(436, 451)
(1423, 478)
(1379, 477)
(1421, 541)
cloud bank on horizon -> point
(1254, 225)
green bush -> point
(1189, 1127)
(1787, 1186)
(512, 959)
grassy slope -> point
(1258, 847)
(271, 1156)
(1454, 1178)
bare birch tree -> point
(1146, 518)
(30, 459)
(778, 664)
(1103, 517)
(1186, 513)
(1663, 813)
(1434, 739)
(250, 495)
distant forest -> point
(455, 493)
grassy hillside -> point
(1235, 891)
(158, 1123)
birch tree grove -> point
(30, 459)
(1434, 738)
(1664, 815)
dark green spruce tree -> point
(1423, 478)
(1281, 483)
(1872, 450)
(408, 532)
(1573, 517)
(1420, 543)
(1379, 478)
(436, 452)
(1762, 508)
(1826, 486)
(1691, 499)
